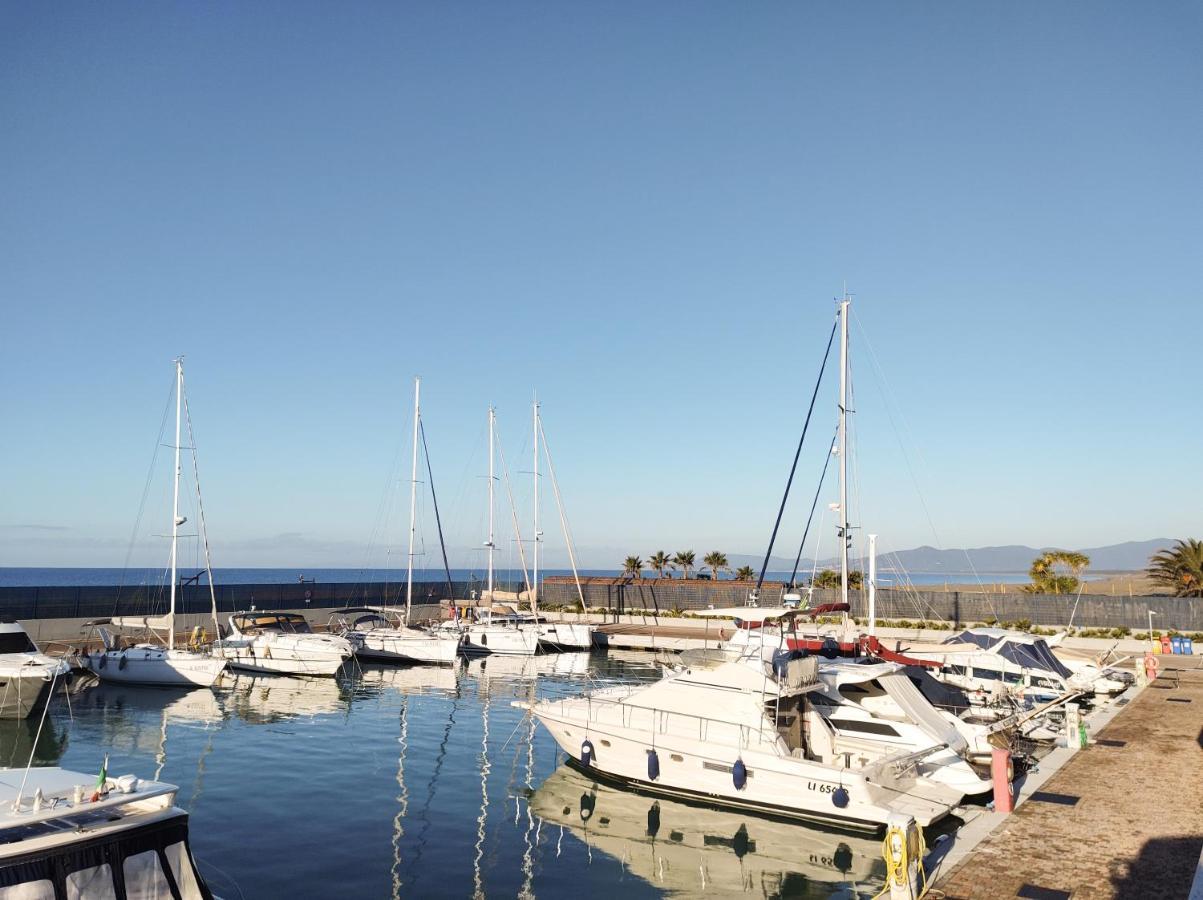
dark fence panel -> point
(1092, 611)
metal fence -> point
(958, 607)
(102, 601)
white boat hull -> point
(780, 785)
(566, 635)
(408, 645)
(500, 640)
(156, 666)
(272, 653)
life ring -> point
(308, 595)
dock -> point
(1121, 819)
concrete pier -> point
(1121, 819)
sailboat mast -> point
(534, 595)
(844, 530)
(175, 502)
(491, 543)
(413, 504)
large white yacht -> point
(28, 676)
(381, 634)
(67, 834)
(742, 733)
(277, 643)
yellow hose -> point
(898, 858)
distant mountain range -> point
(1013, 558)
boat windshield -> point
(289, 623)
(16, 642)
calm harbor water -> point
(426, 782)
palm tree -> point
(633, 566)
(744, 573)
(717, 561)
(659, 561)
(829, 578)
(1047, 580)
(1179, 569)
(684, 561)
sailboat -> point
(160, 663)
(494, 629)
(382, 634)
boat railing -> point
(616, 711)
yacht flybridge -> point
(157, 661)
(28, 675)
(61, 835)
(745, 733)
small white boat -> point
(67, 834)
(501, 632)
(276, 643)
(157, 660)
(382, 635)
(148, 663)
(27, 676)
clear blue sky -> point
(643, 211)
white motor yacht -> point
(67, 834)
(736, 733)
(27, 675)
(276, 643)
(382, 635)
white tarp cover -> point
(921, 712)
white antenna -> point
(534, 591)
(490, 543)
(872, 584)
(844, 535)
(175, 503)
(413, 502)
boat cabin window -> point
(92, 883)
(987, 674)
(289, 623)
(16, 642)
(147, 862)
(879, 728)
(30, 890)
(954, 670)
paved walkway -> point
(1129, 823)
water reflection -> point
(20, 737)
(425, 781)
(688, 850)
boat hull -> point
(155, 666)
(23, 695)
(276, 654)
(690, 770)
(566, 636)
(408, 646)
(499, 641)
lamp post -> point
(1151, 614)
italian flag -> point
(100, 779)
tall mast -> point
(534, 596)
(175, 502)
(490, 543)
(844, 535)
(413, 505)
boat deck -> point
(1121, 819)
